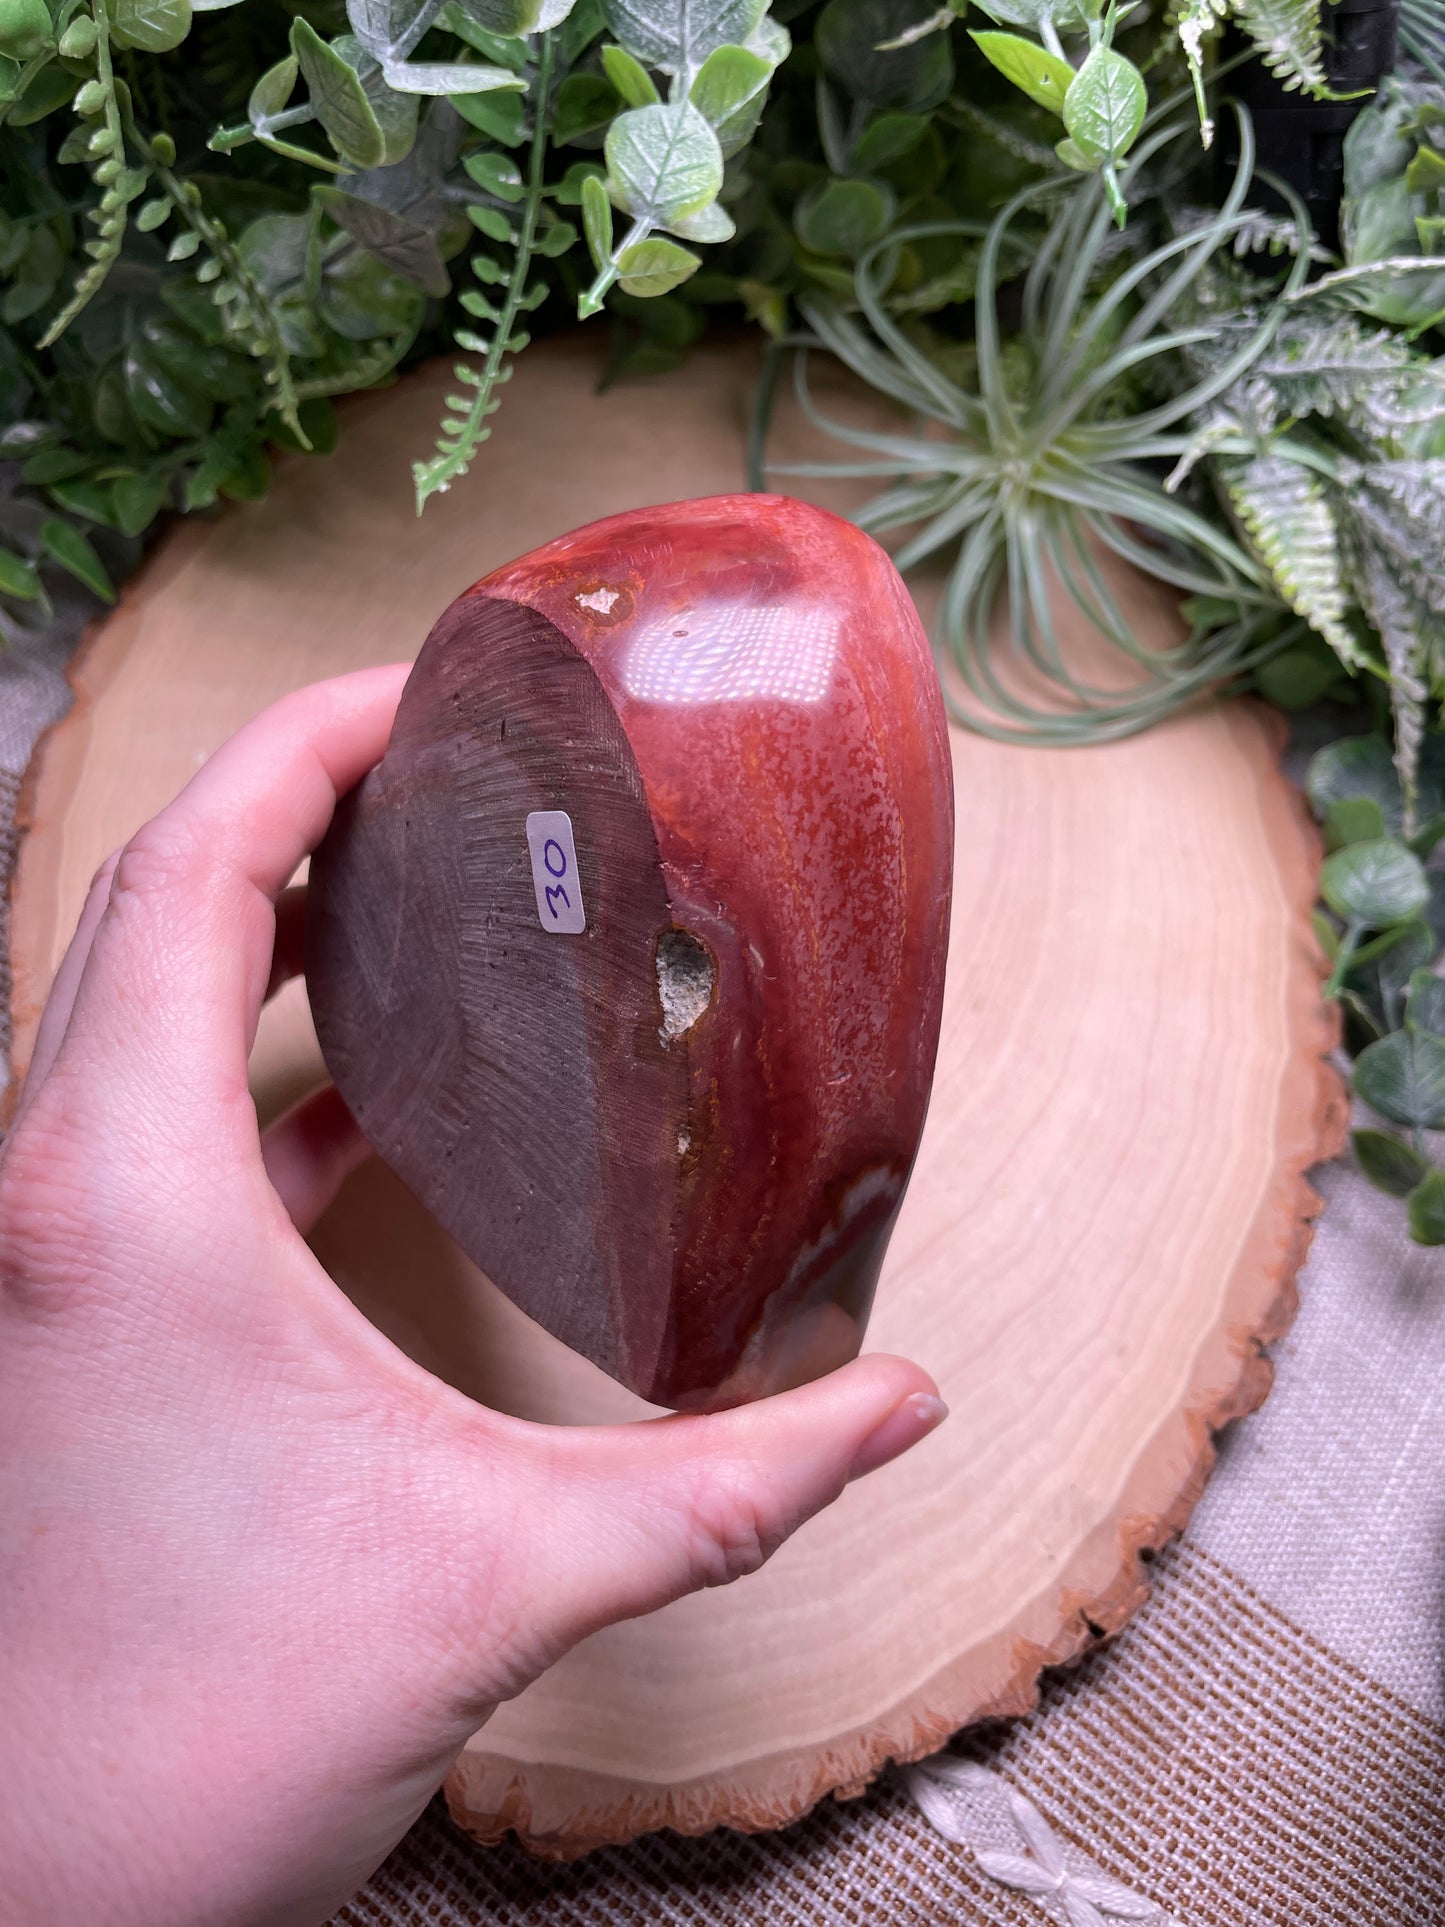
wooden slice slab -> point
(1107, 1213)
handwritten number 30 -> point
(557, 869)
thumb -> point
(637, 1515)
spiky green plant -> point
(1054, 454)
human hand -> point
(260, 1574)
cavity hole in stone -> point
(684, 982)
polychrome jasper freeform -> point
(629, 955)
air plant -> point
(1057, 453)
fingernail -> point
(918, 1415)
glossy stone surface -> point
(680, 1136)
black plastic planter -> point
(1302, 140)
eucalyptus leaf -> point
(362, 299)
(26, 29)
(1043, 76)
(1427, 1210)
(663, 162)
(498, 115)
(655, 266)
(149, 26)
(48, 88)
(630, 78)
(730, 91)
(272, 92)
(1381, 980)
(843, 217)
(1375, 884)
(1354, 819)
(1295, 678)
(1403, 1078)
(439, 77)
(1064, 16)
(389, 29)
(1356, 766)
(509, 18)
(397, 114)
(338, 98)
(498, 49)
(585, 104)
(403, 245)
(710, 224)
(273, 250)
(1391, 1165)
(1425, 1008)
(887, 139)
(1105, 105)
(676, 36)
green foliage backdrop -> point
(217, 216)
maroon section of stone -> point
(682, 1154)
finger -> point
(309, 1152)
(182, 955)
(289, 948)
(635, 1516)
(61, 1000)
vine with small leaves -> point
(464, 431)
(246, 312)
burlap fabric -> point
(1265, 1743)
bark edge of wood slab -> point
(628, 957)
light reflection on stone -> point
(734, 652)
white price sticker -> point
(554, 872)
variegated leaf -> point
(1288, 38)
(1411, 635)
(1288, 515)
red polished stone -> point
(683, 1154)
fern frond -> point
(1287, 37)
(1274, 234)
(247, 311)
(1288, 515)
(464, 427)
(1340, 367)
(1219, 425)
(1400, 505)
(1412, 637)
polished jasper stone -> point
(659, 1063)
